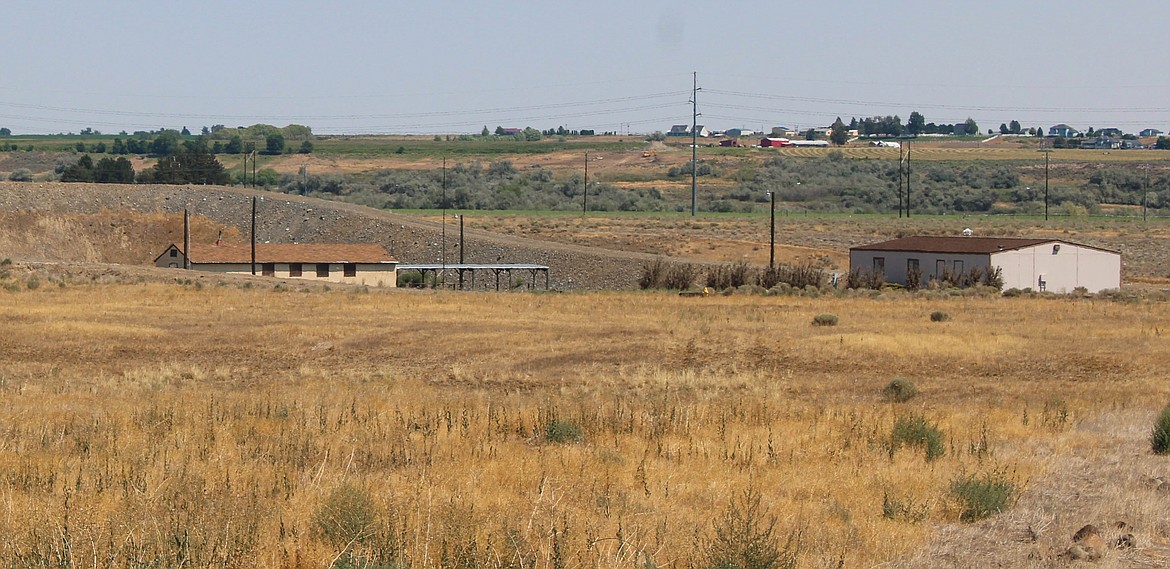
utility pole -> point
(907, 180)
(901, 167)
(695, 144)
(772, 249)
(186, 239)
(253, 235)
(1046, 152)
(443, 247)
(1146, 191)
(585, 201)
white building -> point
(1040, 264)
(361, 263)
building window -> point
(879, 264)
(322, 270)
(350, 269)
(268, 269)
(174, 252)
(911, 265)
(958, 267)
(294, 269)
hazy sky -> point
(454, 67)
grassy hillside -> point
(203, 424)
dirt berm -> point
(131, 224)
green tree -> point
(5, 132)
(185, 132)
(82, 171)
(306, 147)
(167, 142)
(915, 123)
(114, 171)
(970, 127)
(499, 130)
(1003, 128)
(838, 134)
(274, 143)
(485, 131)
(531, 134)
(1014, 127)
(235, 145)
(193, 165)
(1163, 143)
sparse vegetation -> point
(980, 497)
(422, 421)
(1160, 439)
(825, 320)
(746, 537)
(916, 431)
(939, 316)
(900, 390)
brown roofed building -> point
(1040, 264)
(361, 263)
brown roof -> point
(969, 245)
(292, 253)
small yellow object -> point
(706, 291)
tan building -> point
(1040, 264)
(362, 263)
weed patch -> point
(983, 496)
(916, 431)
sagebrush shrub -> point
(939, 316)
(916, 431)
(982, 496)
(1160, 440)
(900, 389)
(562, 431)
(346, 517)
(825, 320)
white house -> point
(1040, 264)
(362, 263)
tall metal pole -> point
(585, 200)
(186, 239)
(1145, 191)
(695, 144)
(1046, 152)
(907, 180)
(253, 234)
(901, 168)
(443, 204)
(461, 216)
(772, 249)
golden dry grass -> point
(167, 424)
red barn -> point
(774, 142)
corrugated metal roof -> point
(292, 253)
(960, 245)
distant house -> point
(1040, 264)
(1063, 130)
(1150, 132)
(1110, 132)
(782, 131)
(512, 131)
(738, 132)
(1101, 143)
(679, 130)
(362, 263)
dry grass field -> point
(201, 424)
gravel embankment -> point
(285, 218)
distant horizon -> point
(420, 68)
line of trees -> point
(187, 163)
